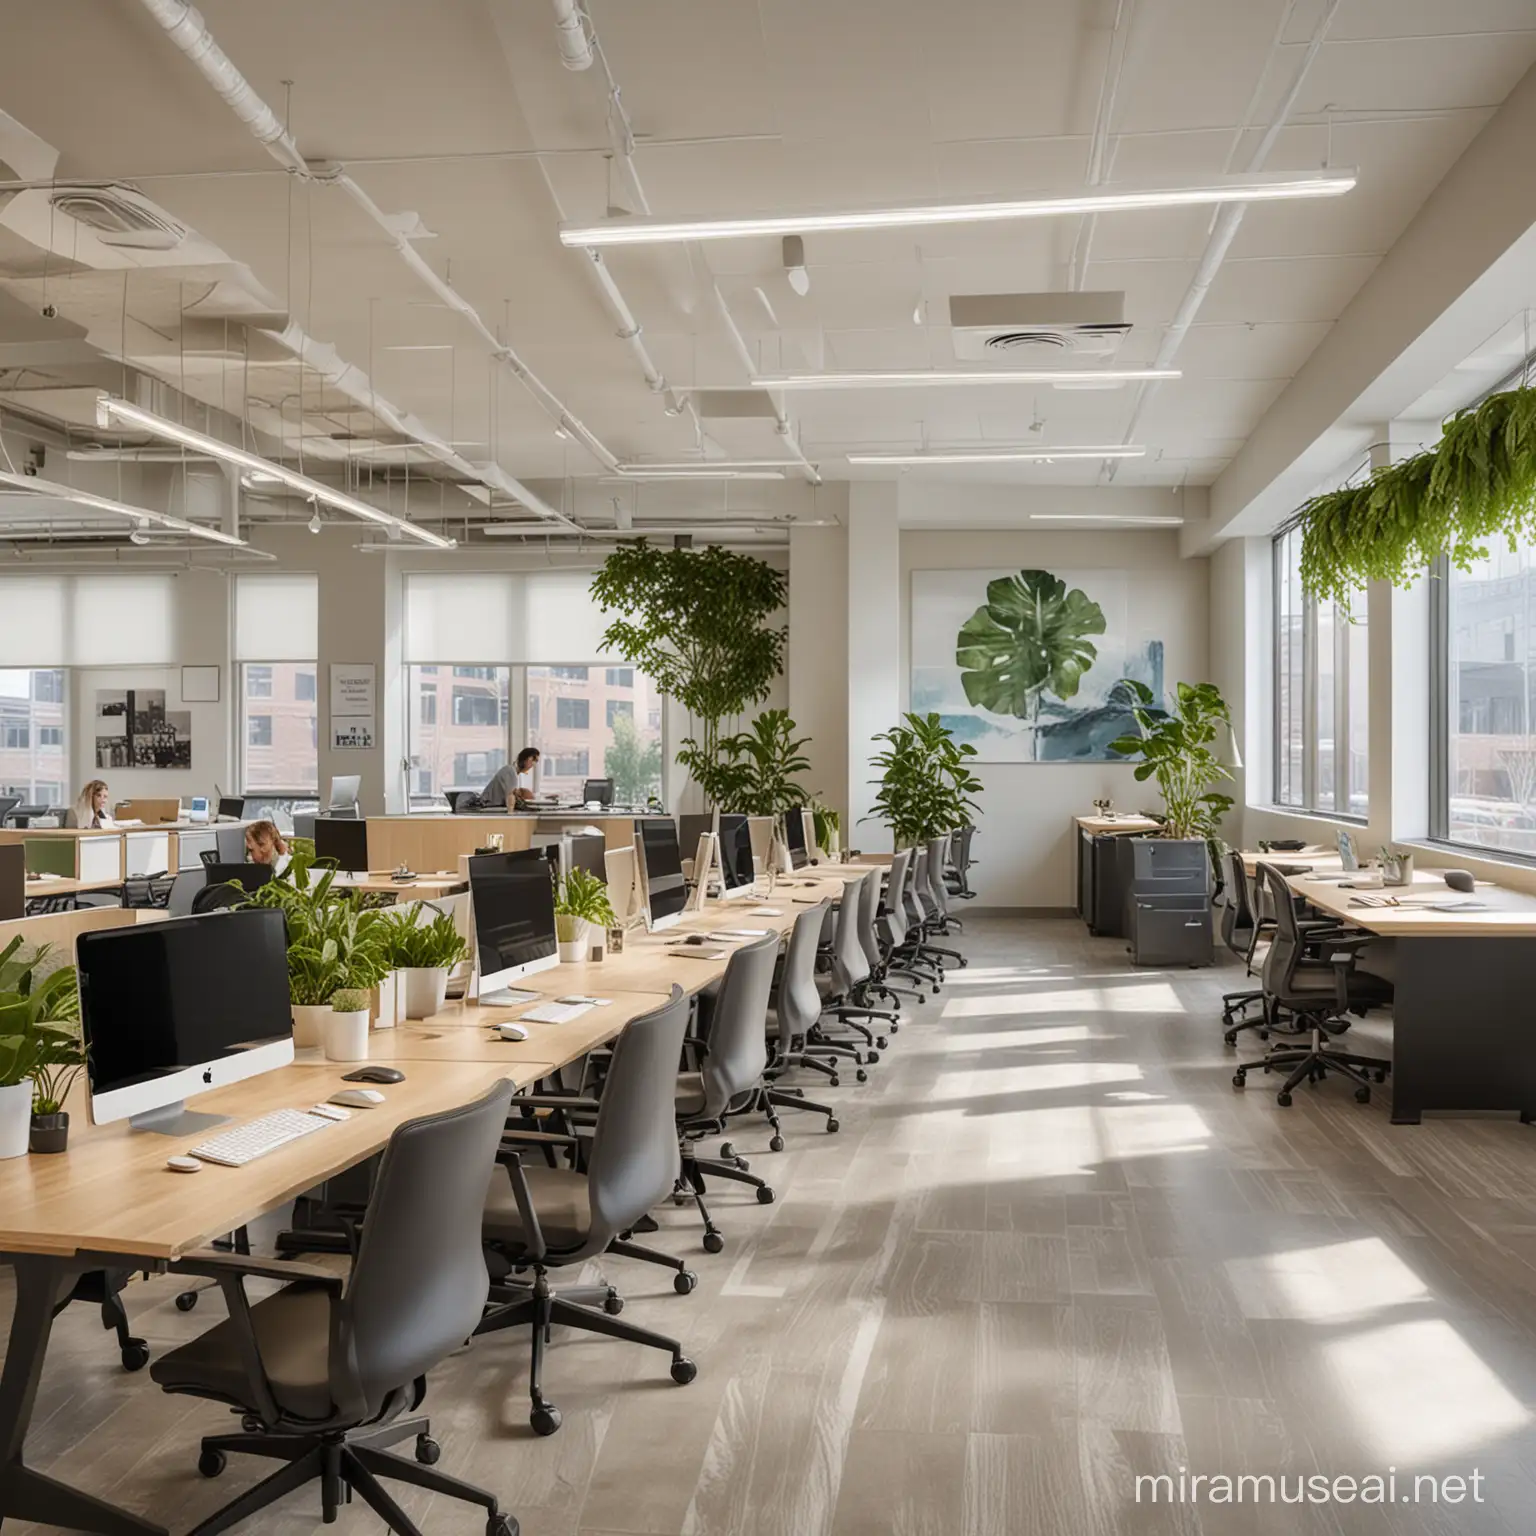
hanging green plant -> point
(1477, 484)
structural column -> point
(874, 678)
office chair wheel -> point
(251, 1424)
(428, 1451)
(835, 1081)
(727, 1151)
(684, 1281)
(963, 961)
(741, 1163)
(135, 1355)
(544, 1419)
(683, 1370)
(186, 1301)
(861, 1076)
(1239, 1078)
(613, 1303)
(502, 1525)
(1362, 1095)
(211, 1463)
(777, 1144)
(1230, 1037)
(1263, 1034)
(1380, 1074)
(713, 1242)
(1283, 1099)
(765, 1195)
(833, 1124)
(881, 1043)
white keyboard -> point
(256, 1138)
(554, 1013)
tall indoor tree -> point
(696, 621)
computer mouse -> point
(357, 1098)
(510, 1031)
(183, 1165)
(1460, 879)
(694, 938)
(374, 1075)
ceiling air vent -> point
(120, 216)
(1082, 327)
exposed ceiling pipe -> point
(1098, 145)
(575, 50)
(1225, 225)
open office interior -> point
(768, 767)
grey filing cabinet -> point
(1168, 902)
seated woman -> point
(90, 808)
(264, 844)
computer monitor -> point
(512, 896)
(587, 851)
(690, 828)
(343, 839)
(197, 813)
(661, 871)
(171, 1009)
(231, 807)
(251, 876)
(794, 839)
(736, 856)
(230, 842)
(344, 790)
(619, 866)
(598, 790)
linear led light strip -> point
(1126, 199)
(1152, 521)
(120, 508)
(200, 442)
(1036, 455)
(920, 378)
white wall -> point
(1025, 836)
(818, 655)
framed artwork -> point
(134, 729)
(199, 685)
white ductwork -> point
(575, 49)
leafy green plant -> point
(582, 895)
(760, 767)
(333, 944)
(633, 765)
(925, 785)
(1176, 750)
(694, 620)
(1028, 639)
(349, 1001)
(406, 943)
(1479, 483)
(39, 1030)
(828, 823)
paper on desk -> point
(766, 912)
(741, 933)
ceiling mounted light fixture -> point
(925, 378)
(1124, 199)
(117, 412)
(1035, 455)
(1106, 517)
(140, 515)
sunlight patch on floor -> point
(1144, 996)
(1333, 1282)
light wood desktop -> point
(1107, 826)
(463, 1032)
(60, 929)
(421, 887)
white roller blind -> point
(87, 621)
(564, 623)
(467, 618)
(277, 618)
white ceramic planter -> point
(388, 1002)
(15, 1119)
(346, 1036)
(426, 989)
(309, 1024)
(573, 938)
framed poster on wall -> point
(352, 706)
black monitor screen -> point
(666, 892)
(736, 851)
(188, 992)
(251, 876)
(794, 832)
(344, 840)
(690, 828)
(231, 805)
(589, 853)
(600, 790)
(514, 904)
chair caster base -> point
(1283, 1100)
(544, 1418)
(833, 1125)
(428, 1451)
(212, 1463)
(765, 1196)
(135, 1355)
(683, 1370)
(777, 1144)
(713, 1242)
(613, 1304)
(684, 1281)
(186, 1301)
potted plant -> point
(424, 952)
(1177, 750)
(36, 1038)
(926, 788)
(828, 825)
(581, 905)
(346, 1030)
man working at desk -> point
(513, 786)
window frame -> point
(244, 699)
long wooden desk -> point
(1463, 982)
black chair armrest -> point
(554, 1101)
(533, 1233)
(539, 1138)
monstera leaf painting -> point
(1030, 639)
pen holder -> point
(1397, 869)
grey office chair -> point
(215, 898)
(327, 1365)
(544, 1218)
(874, 986)
(796, 1007)
(957, 874)
(892, 928)
(844, 998)
(1238, 928)
(1311, 996)
(908, 959)
(938, 883)
(184, 889)
(935, 899)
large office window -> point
(1485, 746)
(32, 730)
(1322, 695)
(277, 683)
(596, 723)
(461, 745)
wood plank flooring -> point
(1051, 1249)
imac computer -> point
(661, 871)
(795, 840)
(344, 839)
(585, 850)
(597, 792)
(736, 868)
(172, 1009)
(690, 828)
(619, 867)
(344, 792)
(513, 899)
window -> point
(1484, 758)
(462, 746)
(593, 726)
(50, 735)
(17, 736)
(32, 719)
(282, 727)
(48, 687)
(1322, 695)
